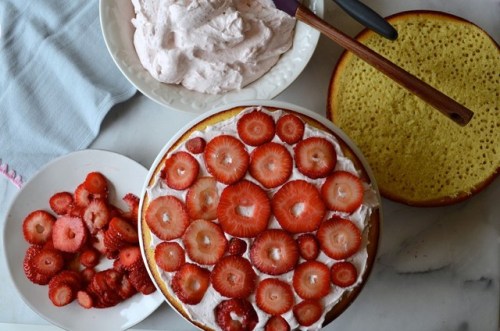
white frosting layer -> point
(210, 46)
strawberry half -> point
(343, 274)
(237, 246)
(167, 217)
(196, 145)
(271, 164)
(61, 203)
(226, 159)
(277, 323)
(38, 227)
(96, 215)
(298, 207)
(290, 129)
(308, 312)
(274, 252)
(233, 277)
(256, 128)
(235, 315)
(190, 283)
(69, 234)
(342, 191)
(311, 280)
(274, 296)
(180, 171)
(169, 256)
(308, 246)
(315, 157)
(202, 199)
(339, 238)
(48, 262)
(204, 241)
(96, 183)
(244, 209)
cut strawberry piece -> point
(28, 269)
(226, 159)
(233, 277)
(196, 145)
(132, 202)
(38, 227)
(105, 286)
(180, 171)
(308, 246)
(315, 157)
(69, 277)
(169, 256)
(308, 312)
(237, 246)
(96, 183)
(343, 274)
(311, 280)
(202, 199)
(167, 217)
(82, 196)
(90, 257)
(274, 296)
(277, 323)
(298, 207)
(290, 129)
(339, 238)
(96, 215)
(130, 257)
(61, 203)
(126, 289)
(87, 274)
(274, 252)
(48, 262)
(342, 191)
(271, 164)
(235, 315)
(84, 299)
(69, 234)
(204, 241)
(256, 128)
(190, 283)
(123, 230)
(98, 242)
(61, 295)
(139, 278)
(244, 209)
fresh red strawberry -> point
(167, 217)
(181, 170)
(277, 323)
(82, 196)
(233, 277)
(196, 145)
(274, 296)
(97, 242)
(90, 257)
(226, 159)
(237, 246)
(290, 129)
(84, 299)
(190, 283)
(343, 274)
(61, 294)
(308, 312)
(311, 280)
(274, 252)
(169, 256)
(256, 128)
(315, 157)
(132, 202)
(69, 234)
(342, 191)
(48, 262)
(96, 215)
(38, 227)
(308, 246)
(139, 278)
(61, 202)
(339, 238)
(244, 209)
(298, 207)
(204, 241)
(130, 257)
(87, 274)
(202, 199)
(235, 315)
(28, 269)
(96, 183)
(271, 164)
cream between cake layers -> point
(364, 217)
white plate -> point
(64, 174)
(117, 29)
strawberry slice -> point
(274, 252)
(180, 171)
(204, 241)
(237, 246)
(315, 157)
(139, 278)
(298, 207)
(96, 183)
(96, 215)
(167, 217)
(61, 295)
(29, 271)
(256, 128)
(190, 283)
(233, 277)
(82, 196)
(69, 234)
(38, 227)
(132, 202)
(308, 312)
(343, 274)
(342, 191)
(308, 246)
(123, 230)
(339, 238)
(290, 129)
(61, 203)
(126, 289)
(311, 280)
(235, 315)
(271, 164)
(97, 242)
(130, 257)
(169, 256)
(84, 299)
(202, 199)
(226, 159)
(196, 145)
(277, 323)
(274, 296)
(48, 262)
(87, 274)
(244, 209)
(69, 277)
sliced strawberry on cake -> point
(190, 283)
(235, 314)
(339, 238)
(342, 191)
(308, 312)
(38, 227)
(271, 164)
(290, 129)
(202, 199)
(308, 246)
(169, 256)
(233, 277)
(236, 246)
(315, 157)
(256, 128)
(274, 296)
(196, 145)
(204, 241)
(311, 280)
(167, 217)
(226, 159)
(277, 323)
(343, 274)
(274, 252)
(181, 170)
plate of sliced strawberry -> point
(72, 247)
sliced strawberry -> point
(196, 145)
(69, 234)
(190, 283)
(237, 246)
(233, 277)
(96, 183)
(167, 217)
(180, 171)
(315, 157)
(87, 274)
(96, 215)
(290, 129)
(82, 196)
(48, 262)
(61, 295)
(311, 280)
(130, 257)
(169, 256)
(277, 323)
(226, 159)
(343, 274)
(90, 257)
(271, 164)
(274, 252)
(84, 299)
(126, 289)
(28, 269)
(339, 238)
(256, 128)
(274, 296)
(124, 230)
(97, 242)
(204, 241)
(105, 287)
(244, 209)
(202, 199)
(69, 277)
(235, 315)
(308, 312)
(342, 191)
(298, 207)
(308, 246)
(132, 202)
(38, 227)
(61, 202)
(139, 278)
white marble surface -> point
(437, 269)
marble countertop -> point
(437, 268)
